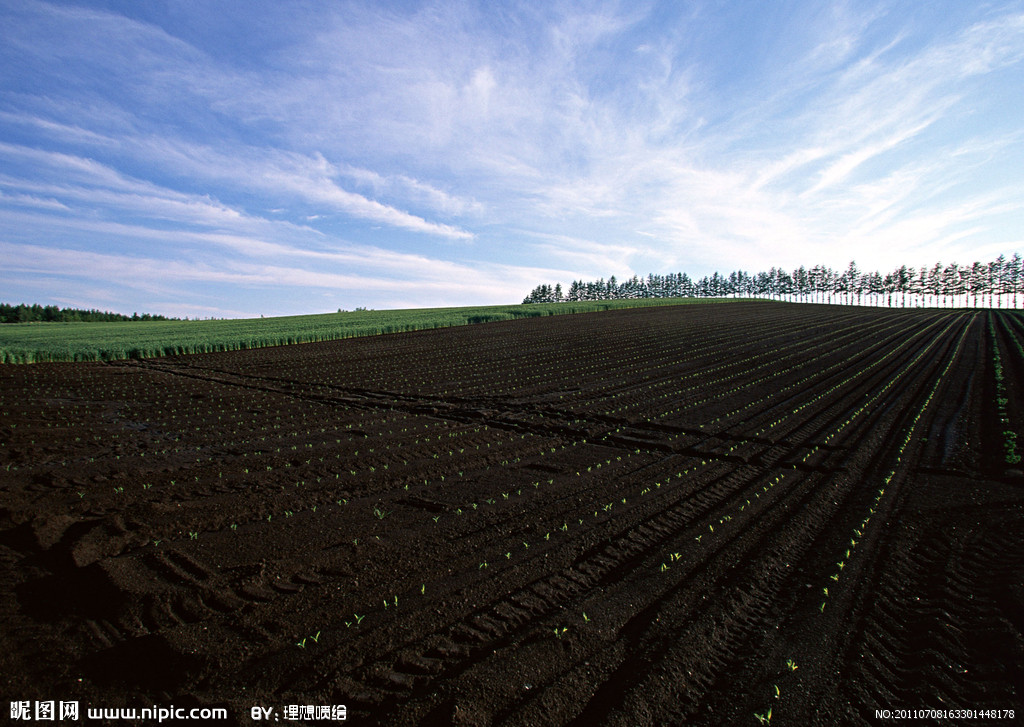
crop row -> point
(50, 342)
(623, 522)
(491, 361)
(679, 478)
(701, 502)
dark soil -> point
(641, 517)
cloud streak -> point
(579, 140)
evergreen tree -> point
(938, 285)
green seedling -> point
(765, 718)
(316, 639)
(791, 665)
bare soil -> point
(640, 517)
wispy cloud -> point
(324, 191)
(371, 272)
(384, 149)
(310, 178)
(870, 117)
(27, 200)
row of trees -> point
(50, 313)
(995, 284)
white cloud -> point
(309, 178)
(612, 138)
(325, 192)
(385, 272)
(26, 200)
(312, 179)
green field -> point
(39, 342)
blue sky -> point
(233, 159)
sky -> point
(207, 158)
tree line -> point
(980, 284)
(23, 313)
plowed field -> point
(690, 514)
